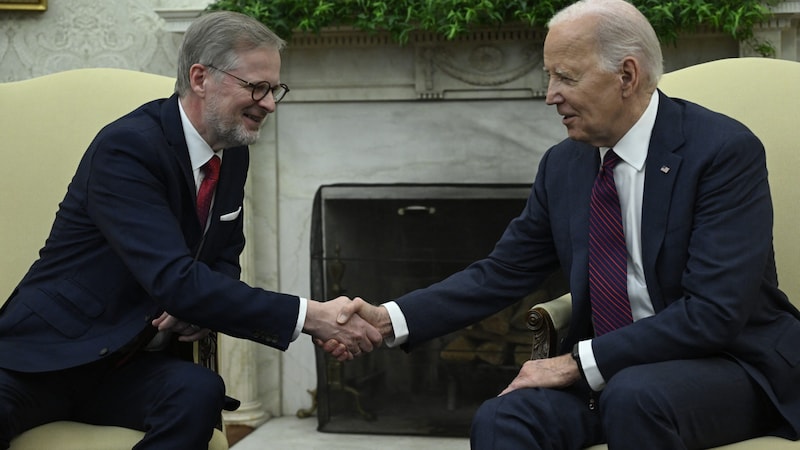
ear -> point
(630, 76)
(198, 75)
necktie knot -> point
(211, 168)
(610, 160)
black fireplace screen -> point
(381, 241)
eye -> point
(560, 77)
(261, 89)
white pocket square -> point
(230, 216)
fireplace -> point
(379, 241)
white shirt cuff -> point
(590, 370)
(301, 318)
(399, 325)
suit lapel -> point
(582, 173)
(661, 172)
(173, 131)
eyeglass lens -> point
(261, 90)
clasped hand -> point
(186, 331)
(343, 339)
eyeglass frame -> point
(258, 85)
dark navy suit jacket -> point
(126, 245)
(707, 255)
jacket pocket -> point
(81, 298)
(53, 309)
(70, 309)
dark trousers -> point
(691, 404)
(175, 402)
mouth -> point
(566, 119)
(256, 119)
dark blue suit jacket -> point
(707, 255)
(126, 245)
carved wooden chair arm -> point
(549, 321)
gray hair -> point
(215, 38)
(622, 31)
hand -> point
(335, 348)
(187, 331)
(343, 340)
(558, 372)
(378, 316)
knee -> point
(200, 387)
(510, 421)
(629, 397)
(485, 416)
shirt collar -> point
(632, 148)
(199, 150)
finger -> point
(334, 347)
(195, 334)
(340, 350)
(347, 311)
(157, 321)
(374, 336)
(342, 354)
(346, 356)
(511, 387)
(360, 343)
(330, 345)
(168, 323)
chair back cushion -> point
(46, 123)
(764, 94)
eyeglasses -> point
(260, 89)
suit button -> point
(103, 351)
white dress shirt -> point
(629, 178)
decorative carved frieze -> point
(503, 63)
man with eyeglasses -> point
(135, 270)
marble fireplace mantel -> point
(365, 109)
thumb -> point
(346, 312)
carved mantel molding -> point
(490, 63)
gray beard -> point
(230, 133)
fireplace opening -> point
(379, 242)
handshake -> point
(347, 328)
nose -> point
(268, 102)
(553, 96)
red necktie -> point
(206, 192)
(608, 266)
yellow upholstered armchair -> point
(46, 123)
(764, 94)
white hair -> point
(621, 31)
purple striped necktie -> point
(608, 267)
